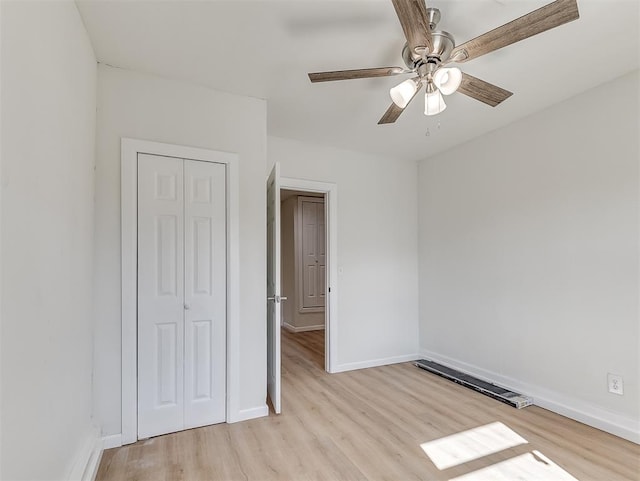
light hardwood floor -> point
(369, 425)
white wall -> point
(287, 256)
(529, 255)
(151, 108)
(377, 248)
(48, 128)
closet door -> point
(181, 294)
(205, 293)
(160, 295)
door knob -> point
(276, 298)
(187, 307)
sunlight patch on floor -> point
(533, 466)
(468, 445)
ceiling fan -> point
(428, 52)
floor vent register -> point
(501, 394)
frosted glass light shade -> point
(403, 93)
(434, 103)
(447, 79)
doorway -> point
(329, 191)
(274, 184)
(303, 271)
(274, 299)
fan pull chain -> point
(428, 132)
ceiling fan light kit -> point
(402, 94)
(433, 100)
(447, 79)
(428, 52)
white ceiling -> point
(265, 49)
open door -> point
(273, 287)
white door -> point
(312, 253)
(205, 293)
(160, 295)
(181, 294)
(273, 287)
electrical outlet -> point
(616, 385)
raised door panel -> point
(166, 347)
(205, 293)
(160, 295)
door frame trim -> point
(331, 245)
(130, 148)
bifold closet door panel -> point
(160, 295)
(205, 293)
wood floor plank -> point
(365, 425)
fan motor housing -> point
(443, 45)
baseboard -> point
(562, 404)
(87, 460)
(251, 413)
(112, 441)
(291, 328)
(115, 440)
(352, 366)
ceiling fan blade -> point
(483, 91)
(393, 112)
(415, 23)
(355, 74)
(391, 115)
(538, 21)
